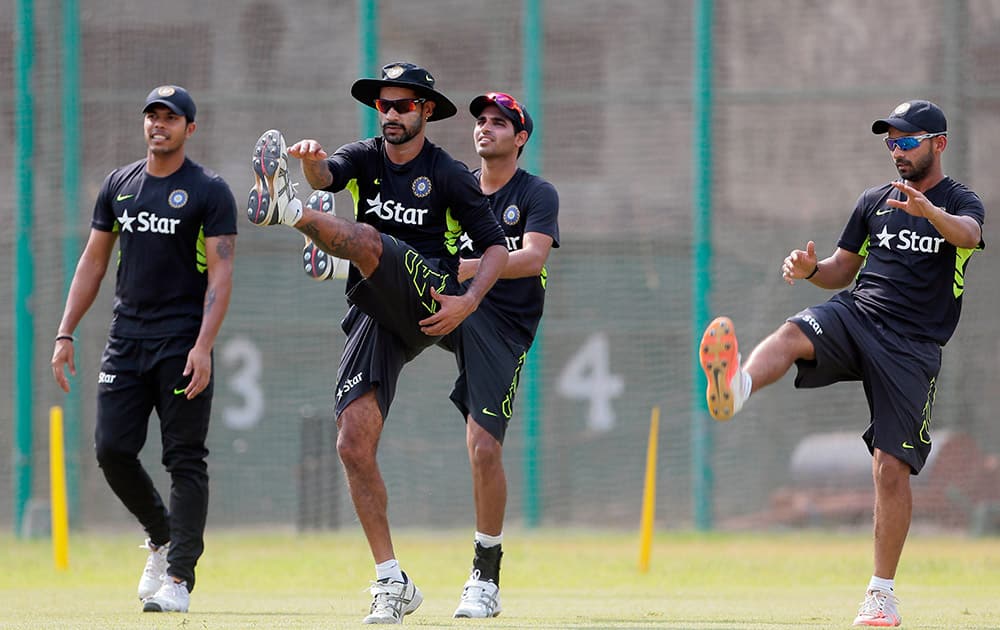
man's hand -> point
(916, 203)
(199, 367)
(61, 357)
(307, 150)
(799, 263)
(454, 309)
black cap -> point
(913, 116)
(479, 103)
(174, 97)
(408, 75)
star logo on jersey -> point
(885, 237)
(126, 221)
(374, 205)
(465, 241)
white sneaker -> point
(480, 599)
(272, 198)
(315, 262)
(391, 601)
(879, 609)
(155, 570)
(172, 597)
(719, 353)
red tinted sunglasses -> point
(401, 105)
(508, 101)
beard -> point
(916, 170)
(399, 133)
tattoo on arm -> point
(209, 300)
(226, 246)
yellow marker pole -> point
(57, 489)
(649, 494)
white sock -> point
(486, 541)
(881, 584)
(295, 208)
(389, 569)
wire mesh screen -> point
(796, 86)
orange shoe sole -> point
(719, 353)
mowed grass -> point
(551, 579)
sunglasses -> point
(508, 101)
(908, 143)
(401, 105)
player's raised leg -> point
(719, 353)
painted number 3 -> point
(242, 358)
(588, 376)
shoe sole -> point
(410, 608)
(267, 154)
(878, 623)
(317, 264)
(718, 354)
(155, 607)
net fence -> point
(796, 86)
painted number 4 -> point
(588, 376)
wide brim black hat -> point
(407, 75)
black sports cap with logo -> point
(407, 75)
(913, 116)
(508, 106)
(175, 98)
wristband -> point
(813, 272)
(71, 338)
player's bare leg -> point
(481, 592)
(359, 428)
(357, 242)
(893, 509)
(774, 356)
(489, 482)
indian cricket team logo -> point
(901, 109)
(165, 90)
(421, 186)
(393, 72)
(178, 198)
(511, 215)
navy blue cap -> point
(479, 103)
(913, 116)
(175, 98)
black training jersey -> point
(426, 202)
(912, 278)
(527, 203)
(162, 223)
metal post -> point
(701, 265)
(24, 282)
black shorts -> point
(489, 369)
(899, 374)
(382, 325)
(140, 375)
(398, 293)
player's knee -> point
(369, 250)
(112, 459)
(484, 449)
(890, 472)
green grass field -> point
(551, 579)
